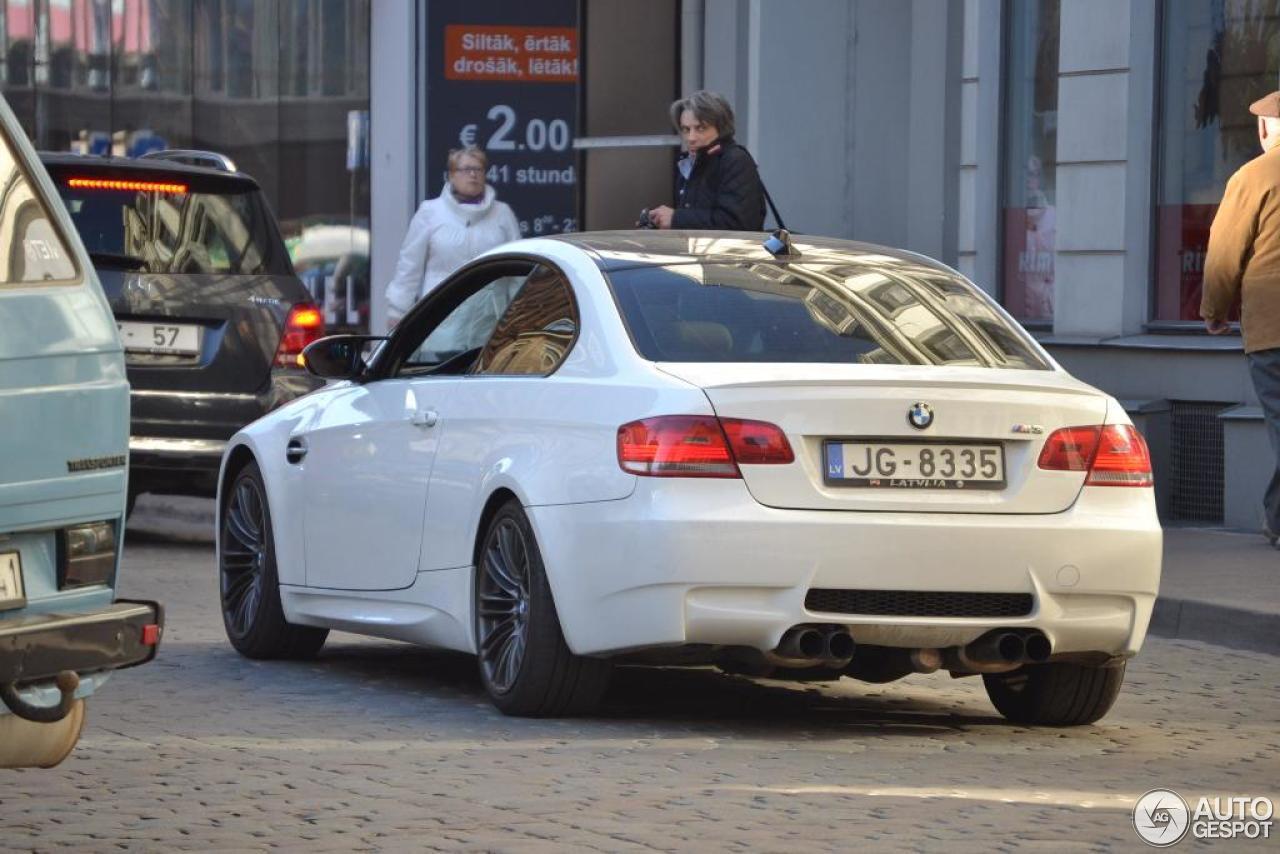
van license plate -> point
(171, 338)
(914, 465)
(12, 593)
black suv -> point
(212, 317)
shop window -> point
(1218, 57)
(1031, 146)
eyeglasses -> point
(470, 170)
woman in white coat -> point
(448, 231)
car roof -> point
(619, 250)
(99, 164)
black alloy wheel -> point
(248, 584)
(244, 549)
(525, 665)
(503, 605)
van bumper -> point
(38, 648)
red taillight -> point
(303, 325)
(698, 446)
(1069, 449)
(1122, 459)
(757, 442)
(151, 634)
(1113, 455)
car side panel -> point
(266, 440)
(549, 440)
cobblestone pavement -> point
(384, 746)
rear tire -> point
(248, 583)
(1055, 694)
(525, 665)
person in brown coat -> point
(1244, 261)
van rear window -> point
(877, 311)
(166, 225)
(31, 249)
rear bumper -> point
(157, 452)
(700, 562)
(37, 648)
(177, 437)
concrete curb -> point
(1224, 625)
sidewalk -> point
(1219, 586)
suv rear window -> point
(225, 228)
(879, 311)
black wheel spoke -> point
(238, 527)
(500, 572)
(514, 556)
(498, 635)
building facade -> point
(1066, 155)
(273, 84)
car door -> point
(368, 456)
(507, 415)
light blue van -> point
(64, 438)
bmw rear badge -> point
(920, 415)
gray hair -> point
(707, 107)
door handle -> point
(295, 450)
(424, 418)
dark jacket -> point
(722, 192)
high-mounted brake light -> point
(137, 186)
(1113, 455)
(303, 325)
(699, 446)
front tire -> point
(1055, 694)
(527, 668)
(248, 583)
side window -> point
(535, 334)
(31, 250)
(467, 327)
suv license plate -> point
(12, 593)
(181, 339)
(914, 465)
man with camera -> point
(719, 186)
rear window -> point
(31, 249)
(166, 224)
(879, 311)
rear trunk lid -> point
(865, 408)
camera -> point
(644, 221)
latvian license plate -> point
(12, 593)
(914, 465)
(181, 339)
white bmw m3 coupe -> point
(679, 448)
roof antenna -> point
(779, 244)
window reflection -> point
(30, 249)
(888, 314)
(269, 83)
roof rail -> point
(193, 157)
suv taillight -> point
(303, 325)
(1113, 455)
(699, 446)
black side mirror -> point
(338, 357)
